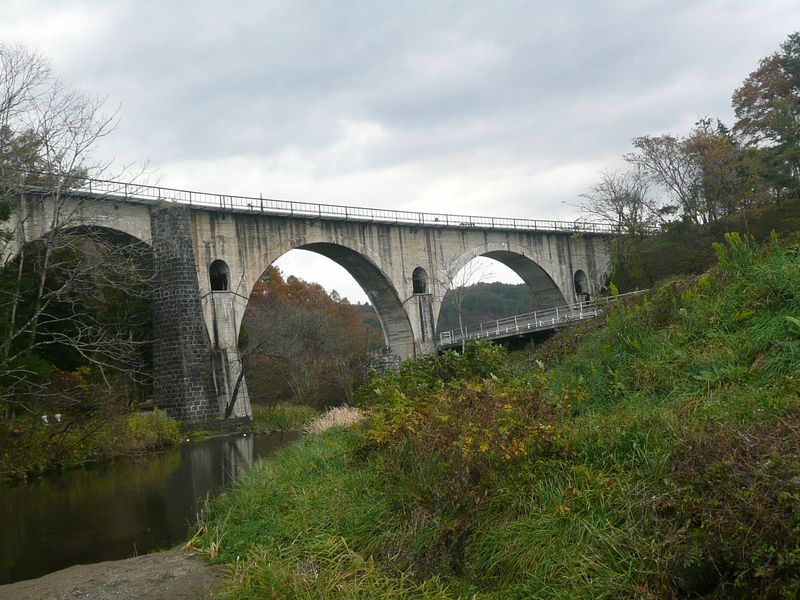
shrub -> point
(338, 416)
(146, 431)
(30, 447)
(471, 423)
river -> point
(120, 509)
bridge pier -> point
(182, 384)
(420, 310)
(195, 368)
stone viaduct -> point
(210, 250)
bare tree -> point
(455, 279)
(623, 200)
(708, 172)
(23, 77)
(56, 282)
(57, 299)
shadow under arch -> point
(126, 246)
(544, 291)
(108, 236)
(82, 268)
(378, 287)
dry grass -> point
(339, 416)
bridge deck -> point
(133, 192)
(540, 320)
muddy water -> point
(119, 509)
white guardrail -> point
(540, 320)
(133, 192)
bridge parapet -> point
(539, 320)
(133, 192)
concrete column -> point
(420, 313)
(226, 310)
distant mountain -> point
(482, 302)
(486, 302)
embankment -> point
(658, 456)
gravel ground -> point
(173, 575)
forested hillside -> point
(685, 248)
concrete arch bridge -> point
(210, 250)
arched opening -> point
(581, 282)
(419, 281)
(219, 276)
(378, 289)
(544, 291)
(494, 285)
(312, 322)
(90, 309)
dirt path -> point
(173, 575)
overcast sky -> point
(488, 108)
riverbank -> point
(172, 575)
(656, 457)
(120, 509)
(30, 447)
(102, 507)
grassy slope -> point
(659, 457)
(685, 248)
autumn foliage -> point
(301, 343)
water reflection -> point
(118, 510)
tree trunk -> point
(235, 394)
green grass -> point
(658, 457)
(283, 416)
(290, 520)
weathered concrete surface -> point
(36, 215)
(380, 256)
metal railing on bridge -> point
(540, 320)
(137, 192)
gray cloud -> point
(495, 108)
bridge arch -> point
(582, 288)
(120, 236)
(363, 265)
(419, 281)
(37, 215)
(79, 265)
(544, 290)
(102, 233)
